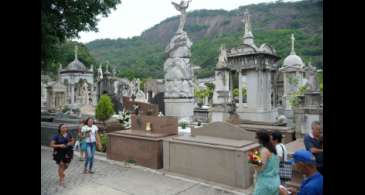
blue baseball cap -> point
(304, 156)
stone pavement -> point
(112, 178)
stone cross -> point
(59, 72)
(76, 51)
(247, 22)
(248, 36)
(292, 52)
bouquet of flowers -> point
(254, 157)
(125, 119)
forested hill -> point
(272, 23)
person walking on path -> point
(89, 133)
(82, 143)
(63, 150)
(267, 180)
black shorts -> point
(63, 155)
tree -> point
(104, 109)
(201, 94)
(62, 20)
(210, 89)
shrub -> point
(104, 109)
(183, 124)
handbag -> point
(285, 169)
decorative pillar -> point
(240, 87)
(72, 94)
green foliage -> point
(293, 80)
(195, 28)
(65, 109)
(294, 98)
(320, 80)
(104, 141)
(62, 20)
(131, 161)
(201, 94)
(210, 89)
(183, 124)
(244, 91)
(65, 53)
(104, 109)
(236, 93)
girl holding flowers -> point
(266, 163)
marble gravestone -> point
(178, 78)
(137, 144)
(217, 146)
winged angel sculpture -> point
(182, 9)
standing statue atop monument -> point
(100, 73)
(311, 76)
(222, 59)
(85, 93)
(181, 8)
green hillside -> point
(272, 23)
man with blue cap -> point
(305, 163)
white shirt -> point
(280, 152)
(91, 137)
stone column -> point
(285, 98)
(240, 87)
(72, 94)
(230, 84)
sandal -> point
(85, 171)
(91, 172)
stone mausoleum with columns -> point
(79, 82)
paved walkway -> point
(112, 178)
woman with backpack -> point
(285, 170)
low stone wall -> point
(49, 129)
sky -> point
(132, 17)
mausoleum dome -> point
(76, 65)
(293, 60)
